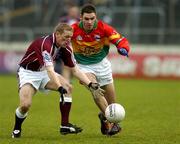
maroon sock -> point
(65, 109)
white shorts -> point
(101, 70)
(38, 79)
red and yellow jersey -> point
(92, 47)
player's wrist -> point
(93, 86)
(89, 85)
(123, 51)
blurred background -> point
(147, 83)
(152, 28)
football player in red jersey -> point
(91, 43)
(36, 72)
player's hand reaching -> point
(123, 51)
(95, 89)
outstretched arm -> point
(117, 39)
(80, 75)
(93, 87)
(123, 47)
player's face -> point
(64, 38)
(88, 20)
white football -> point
(115, 113)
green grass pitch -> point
(152, 114)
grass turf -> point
(152, 114)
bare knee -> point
(26, 93)
(25, 102)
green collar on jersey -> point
(81, 25)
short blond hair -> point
(61, 27)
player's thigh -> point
(51, 85)
(109, 93)
(25, 93)
(66, 73)
(65, 83)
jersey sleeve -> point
(115, 38)
(67, 56)
(46, 49)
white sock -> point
(66, 99)
(19, 114)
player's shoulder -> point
(46, 38)
(75, 25)
(76, 28)
(47, 42)
(102, 24)
(106, 28)
(36, 42)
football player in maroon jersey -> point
(36, 72)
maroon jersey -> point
(42, 52)
(66, 55)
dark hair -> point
(88, 8)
